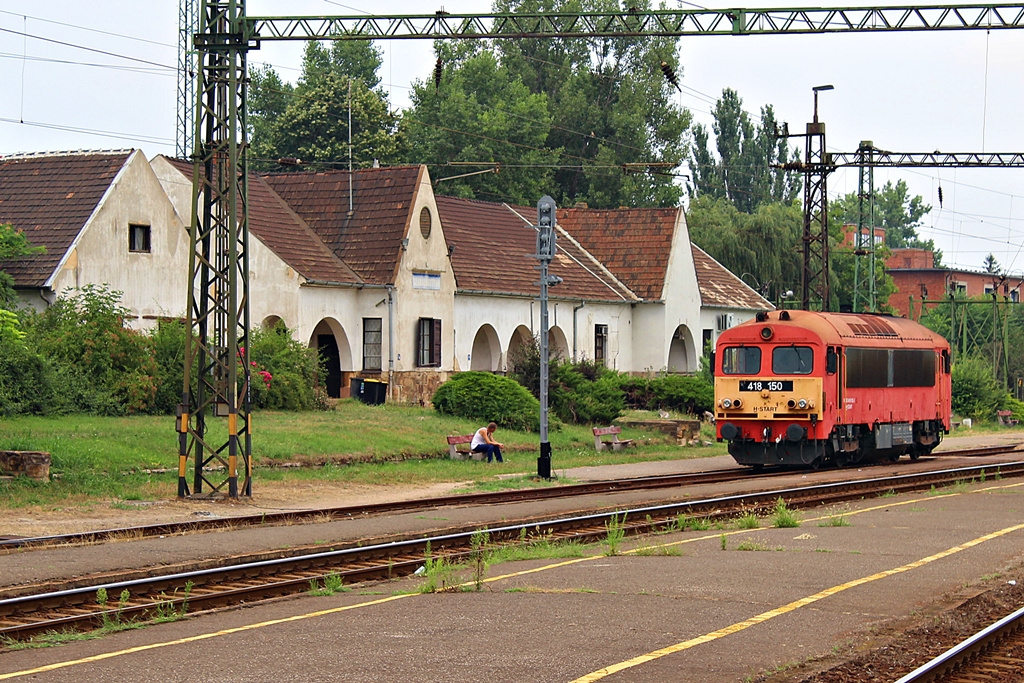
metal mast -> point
(188, 27)
(865, 219)
(217, 359)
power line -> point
(89, 131)
(88, 49)
(91, 30)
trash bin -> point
(355, 388)
(370, 391)
(375, 391)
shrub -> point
(685, 393)
(584, 393)
(491, 398)
(284, 372)
(169, 353)
(975, 392)
(26, 381)
(101, 365)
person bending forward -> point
(483, 442)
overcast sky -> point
(960, 91)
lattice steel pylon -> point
(217, 358)
(188, 27)
(865, 246)
(814, 285)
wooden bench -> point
(614, 443)
(457, 453)
(1006, 418)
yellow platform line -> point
(335, 610)
(779, 611)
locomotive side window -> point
(792, 360)
(867, 368)
(741, 360)
(890, 368)
(913, 368)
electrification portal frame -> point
(217, 362)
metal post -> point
(545, 252)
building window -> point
(600, 343)
(372, 329)
(959, 287)
(428, 343)
(138, 237)
(425, 222)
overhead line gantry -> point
(217, 359)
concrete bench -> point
(1006, 418)
(614, 443)
(457, 453)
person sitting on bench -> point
(483, 442)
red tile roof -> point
(369, 240)
(634, 244)
(50, 197)
(493, 253)
(274, 223)
(720, 287)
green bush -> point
(284, 372)
(686, 393)
(488, 398)
(976, 394)
(584, 393)
(101, 365)
(26, 381)
(169, 352)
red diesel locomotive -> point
(799, 388)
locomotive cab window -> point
(792, 360)
(741, 360)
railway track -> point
(243, 582)
(994, 654)
(488, 498)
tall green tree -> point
(480, 112)
(762, 248)
(606, 104)
(744, 171)
(895, 211)
(310, 121)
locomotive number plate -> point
(766, 385)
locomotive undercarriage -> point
(848, 445)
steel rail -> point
(26, 615)
(958, 658)
(486, 498)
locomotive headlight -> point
(727, 403)
(802, 404)
(736, 403)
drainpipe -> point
(574, 327)
(391, 340)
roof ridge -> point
(66, 153)
(597, 263)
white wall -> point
(154, 283)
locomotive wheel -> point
(915, 453)
(816, 463)
(894, 457)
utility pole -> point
(545, 252)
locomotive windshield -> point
(792, 360)
(741, 360)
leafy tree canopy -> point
(310, 121)
(583, 108)
(763, 248)
(743, 173)
(13, 244)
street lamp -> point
(817, 89)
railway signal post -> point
(545, 252)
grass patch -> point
(657, 551)
(783, 517)
(332, 583)
(686, 522)
(135, 458)
(542, 549)
(616, 532)
(748, 521)
(835, 520)
(753, 546)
